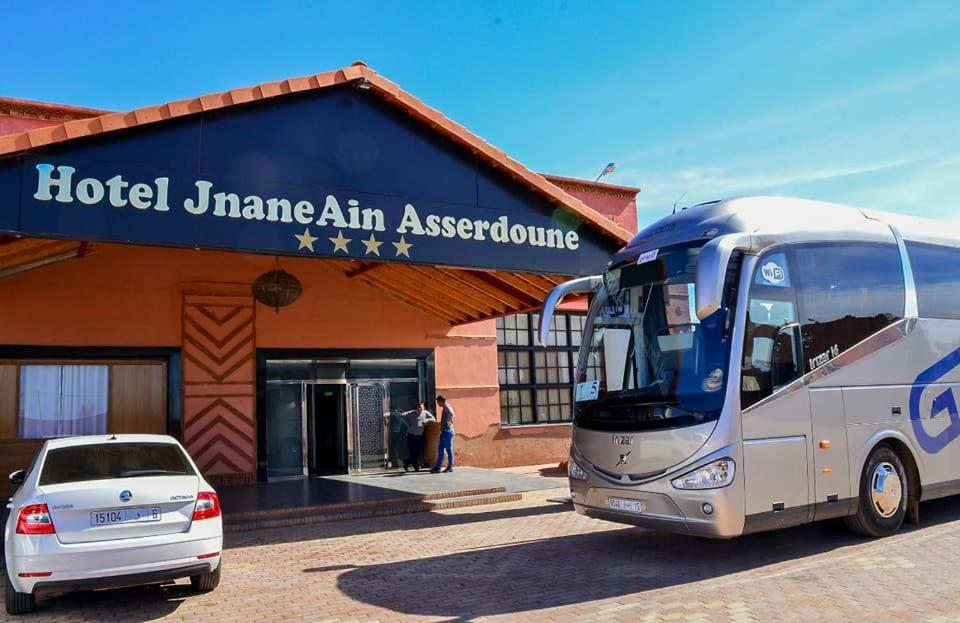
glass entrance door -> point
(286, 422)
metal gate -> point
(370, 412)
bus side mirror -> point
(17, 477)
(712, 269)
(574, 286)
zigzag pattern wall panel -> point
(219, 389)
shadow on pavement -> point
(411, 521)
(527, 576)
(152, 603)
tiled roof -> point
(31, 109)
(588, 185)
(358, 71)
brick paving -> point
(536, 560)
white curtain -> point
(63, 400)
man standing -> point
(415, 420)
(446, 435)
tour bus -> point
(761, 362)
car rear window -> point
(113, 460)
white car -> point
(107, 511)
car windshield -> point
(113, 460)
(646, 347)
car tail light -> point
(208, 506)
(35, 519)
(35, 574)
(211, 555)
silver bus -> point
(761, 362)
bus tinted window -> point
(936, 273)
(772, 309)
(847, 292)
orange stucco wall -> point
(133, 296)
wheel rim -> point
(886, 490)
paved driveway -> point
(537, 561)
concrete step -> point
(278, 518)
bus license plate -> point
(621, 504)
(124, 515)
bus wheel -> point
(883, 495)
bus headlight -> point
(710, 476)
(575, 471)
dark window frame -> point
(540, 391)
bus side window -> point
(937, 279)
(772, 310)
(847, 292)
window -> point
(809, 303)
(771, 312)
(847, 293)
(937, 279)
(47, 398)
(536, 381)
(113, 460)
(62, 400)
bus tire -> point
(884, 492)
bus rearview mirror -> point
(581, 285)
(712, 269)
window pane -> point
(60, 401)
(114, 460)
(847, 292)
(510, 322)
(522, 321)
(937, 279)
(523, 339)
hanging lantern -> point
(277, 288)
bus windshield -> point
(648, 361)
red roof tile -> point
(392, 93)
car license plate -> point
(124, 515)
(621, 504)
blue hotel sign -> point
(331, 175)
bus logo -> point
(772, 273)
(944, 401)
(622, 440)
(623, 458)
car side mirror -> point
(17, 477)
(784, 358)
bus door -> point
(775, 414)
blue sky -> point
(855, 102)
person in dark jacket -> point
(446, 435)
(415, 420)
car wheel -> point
(18, 603)
(882, 504)
(206, 582)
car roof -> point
(86, 440)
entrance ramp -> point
(337, 498)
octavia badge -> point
(623, 458)
(125, 496)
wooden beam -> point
(420, 285)
(422, 309)
(522, 292)
(422, 304)
(510, 302)
(484, 304)
(356, 272)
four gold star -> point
(372, 245)
(403, 247)
(306, 240)
(340, 243)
